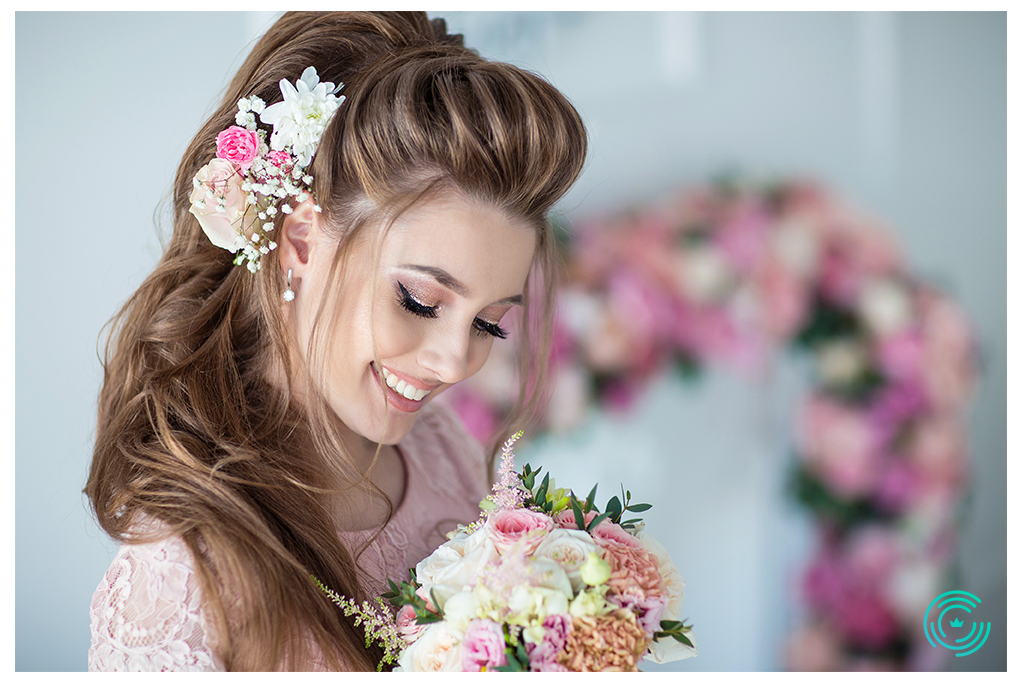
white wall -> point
(903, 114)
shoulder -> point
(440, 440)
(146, 612)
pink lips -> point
(397, 401)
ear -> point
(301, 233)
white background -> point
(903, 114)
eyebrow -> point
(447, 280)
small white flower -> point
(271, 210)
(286, 208)
(316, 207)
(256, 105)
(243, 105)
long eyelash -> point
(415, 307)
(409, 303)
(484, 328)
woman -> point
(272, 421)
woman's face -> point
(449, 271)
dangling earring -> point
(288, 293)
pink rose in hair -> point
(218, 203)
(483, 646)
(238, 145)
(510, 527)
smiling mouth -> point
(403, 389)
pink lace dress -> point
(147, 612)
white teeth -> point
(401, 387)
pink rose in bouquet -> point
(508, 528)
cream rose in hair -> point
(219, 203)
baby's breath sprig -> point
(376, 620)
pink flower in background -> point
(784, 299)
(483, 645)
(901, 355)
(743, 236)
(841, 445)
(949, 353)
(939, 450)
(815, 647)
(898, 485)
(873, 553)
(238, 145)
(476, 413)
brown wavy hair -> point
(192, 432)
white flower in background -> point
(300, 120)
(797, 247)
(885, 306)
(840, 362)
(704, 273)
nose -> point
(445, 355)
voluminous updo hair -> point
(194, 439)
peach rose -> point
(218, 203)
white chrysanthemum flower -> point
(300, 120)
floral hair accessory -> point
(235, 197)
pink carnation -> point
(283, 160)
(483, 646)
(508, 528)
(238, 145)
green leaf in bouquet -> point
(590, 501)
(682, 639)
(630, 523)
(639, 507)
(540, 498)
(613, 509)
(597, 520)
(577, 513)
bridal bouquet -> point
(543, 582)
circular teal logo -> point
(944, 627)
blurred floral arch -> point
(728, 275)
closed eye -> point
(485, 328)
(480, 326)
(409, 303)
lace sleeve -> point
(146, 613)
